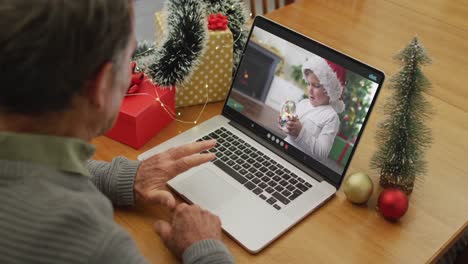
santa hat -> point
(331, 76)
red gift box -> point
(141, 116)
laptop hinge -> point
(268, 145)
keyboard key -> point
(256, 180)
(283, 183)
(286, 193)
(230, 162)
(270, 174)
(295, 194)
(248, 151)
(221, 149)
(277, 207)
(244, 156)
(257, 165)
(240, 161)
(230, 172)
(257, 191)
(286, 177)
(253, 155)
(262, 196)
(266, 164)
(277, 178)
(293, 181)
(243, 172)
(258, 174)
(263, 169)
(245, 165)
(290, 188)
(286, 170)
(265, 179)
(249, 176)
(260, 159)
(262, 185)
(308, 184)
(220, 140)
(269, 190)
(249, 185)
(236, 167)
(224, 158)
(293, 175)
(234, 157)
(279, 172)
(206, 138)
(238, 152)
(228, 153)
(302, 187)
(280, 197)
(301, 180)
(273, 168)
(252, 169)
(279, 188)
(272, 183)
(271, 200)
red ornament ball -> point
(392, 204)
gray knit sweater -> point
(53, 209)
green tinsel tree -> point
(404, 136)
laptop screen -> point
(306, 100)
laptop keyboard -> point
(257, 172)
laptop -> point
(262, 182)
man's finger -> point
(163, 229)
(192, 148)
(189, 162)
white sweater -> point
(319, 128)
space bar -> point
(230, 171)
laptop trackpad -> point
(207, 189)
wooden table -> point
(340, 232)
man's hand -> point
(153, 173)
(189, 224)
(293, 126)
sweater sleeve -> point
(117, 247)
(316, 140)
(115, 179)
(207, 252)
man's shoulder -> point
(42, 215)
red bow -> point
(137, 79)
(217, 22)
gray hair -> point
(49, 49)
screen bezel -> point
(327, 53)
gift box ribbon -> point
(137, 79)
(217, 22)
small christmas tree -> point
(403, 136)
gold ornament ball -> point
(358, 187)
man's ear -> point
(97, 89)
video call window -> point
(313, 104)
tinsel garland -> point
(185, 42)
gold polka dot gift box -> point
(211, 79)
